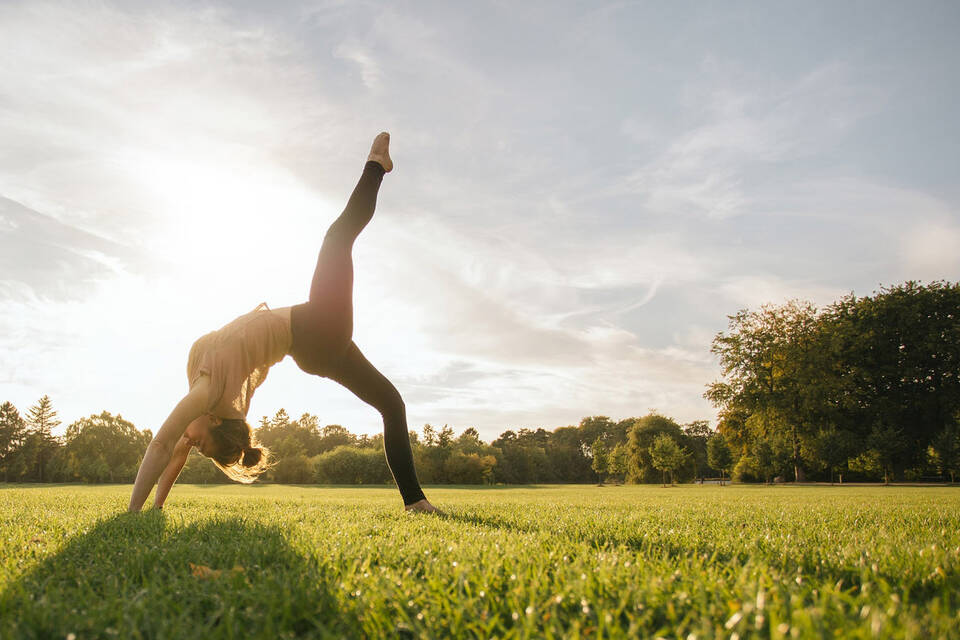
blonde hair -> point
(237, 452)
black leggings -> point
(323, 332)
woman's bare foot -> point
(422, 506)
(380, 151)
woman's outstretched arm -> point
(161, 448)
(172, 470)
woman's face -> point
(198, 433)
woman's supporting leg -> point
(331, 290)
(359, 376)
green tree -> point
(718, 454)
(695, 436)
(521, 457)
(641, 437)
(592, 428)
(888, 445)
(333, 436)
(290, 463)
(617, 462)
(438, 448)
(104, 448)
(946, 447)
(12, 435)
(567, 455)
(666, 455)
(593, 431)
(469, 442)
(772, 360)
(600, 461)
(198, 469)
(897, 357)
(41, 420)
(766, 460)
(536, 444)
(272, 430)
(305, 430)
(834, 448)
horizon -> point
(581, 195)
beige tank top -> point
(237, 357)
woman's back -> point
(237, 357)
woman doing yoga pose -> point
(226, 366)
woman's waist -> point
(284, 314)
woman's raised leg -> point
(359, 376)
(331, 289)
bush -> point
(469, 468)
(352, 465)
(294, 469)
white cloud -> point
(931, 250)
(752, 291)
(370, 70)
(743, 123)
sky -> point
(582, 193)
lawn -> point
(546, 561)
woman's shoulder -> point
(201, 385)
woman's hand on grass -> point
(161, 448)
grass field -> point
(555, 561)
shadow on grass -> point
(129, 576)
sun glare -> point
(210, 209)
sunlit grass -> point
(579, 561)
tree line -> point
(865, 389)
(108, 448)
(99, 448)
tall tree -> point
(718, 454)
(593, 427)
(666, 455)
(333, 436)
(946, 447)
(601, 454)
(834, 448)
(469, 441)
(567, 456)
(897, 354)
(104, 448)
(889, 446)
(522, 457)
(41, 420)
(765, 458)
(772, 361)
(305, 430)
(695, 436)
(290, 462)
(12, 434)
(645, 430)
(617, 462)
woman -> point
(226, 366)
